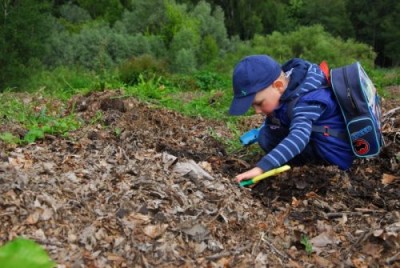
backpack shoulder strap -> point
(325, 69)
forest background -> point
(77, 41)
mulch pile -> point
(147, 187)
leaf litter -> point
(159, 192)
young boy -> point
(303, 122)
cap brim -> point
(241, 105)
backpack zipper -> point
(348, 89)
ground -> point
(147, 187)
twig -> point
(390, 112)
(273, 248)
(218, 255)
(392, 259)
(360, 212)
(341, 214)
(227, 253)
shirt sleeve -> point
(304, 115)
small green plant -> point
(97, 118)
(31, 114)
(209, 80)
(118, 132)
(23, 253)
(305, 241)
(146, 66)
(9, 138)
(45, 124)
(33, 135)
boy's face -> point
(267, 100)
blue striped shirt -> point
(303, 117)
(299, 136)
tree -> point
(332, 14)
(391, 36)
(109, 10)
(25, 27)
(376, 23)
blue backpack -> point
(360, 106)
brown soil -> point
(147, 187)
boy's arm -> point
(304, 115)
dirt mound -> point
(144, 186)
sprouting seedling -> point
(305, 241)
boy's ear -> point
(278, 84)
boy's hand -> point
(249, 174)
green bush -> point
(184, 61)
(313, 44)
(211, 81)
(211, 23)
(145, 65)
(310, 43)
(208, 51)
(63, 82)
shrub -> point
(208, 50)
(313, 44)
(184, 61)
(145, 65)
(210, 81)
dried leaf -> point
(155, 231)
(192, 169)
(323, 239)
(197, 232)
(388, 178)
(33, 218)
(373, 250)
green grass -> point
(305, 241)
(63, 83)
(36, 113)
(383, 78)
(203, 94)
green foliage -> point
(146, 17)
(98, 47)
(376, 24)
(74, 14)
(38, 121)
(144, 66)
(383, 78)
(305, 241)
(329, 13)
(211, 23)
(25, 27)
(22, 253)
(9, 138)
(184, 61)
(64, 82)
(44, 124)
(211, 102)
(391, 35)
(314, 44)
(208, 50)
(210, 81)
(108, 10)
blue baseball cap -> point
(251, 75)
